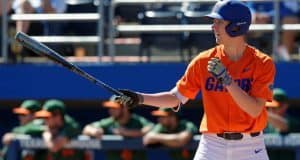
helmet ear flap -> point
(232, 29)
(236, 29)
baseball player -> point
(120, 122)
(235, 80)
(28, 127)
(61, 128)
(279, 119)
(170, 131)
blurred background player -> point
(170, 131)
(39, 6)
(263, 13)
(60, 129)
(120, 122)
(29, 126)
(39, 27)
(279, 120)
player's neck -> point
(173, 125)
(125, 118)
(235, 51)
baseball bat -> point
(42, 50)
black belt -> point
(235, 135)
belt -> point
(235, 135)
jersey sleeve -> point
(100, 124)
(70, 130)
(145, 122)
(158, 128)
(189, 84)
(29, 129)
(264, 80)
(190, 127)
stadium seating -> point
(129, 13)
(195, 41)
(164, 41)
(81, 6)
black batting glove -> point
(130, 98)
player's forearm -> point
(173, 140)
(48, 139)
(132, 133)
(146, 129)
(247, 103)
(175, 143)
(92, 131)
(7, 138)
(279, 122)
(163, 99)
(89, 130)
(58, 143)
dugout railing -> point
(62, 17)
(115, 143)
(276, 27)
(124, 28)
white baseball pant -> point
(212, 147)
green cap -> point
(28, 106)
(51, 106)
(279, 95)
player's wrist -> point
(224, 78)
(227, 80)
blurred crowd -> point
(158, 13)
(51, 122)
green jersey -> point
(183, 125)
(109, 124)
(34, 128)
(70, 130)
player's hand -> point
(217, 69)
(130, 99)
(97, 133)
(120, 131)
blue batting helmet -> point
(236, 12)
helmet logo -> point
(241, 23)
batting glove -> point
(217, 69)
(130, 99)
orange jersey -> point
(254, 72)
